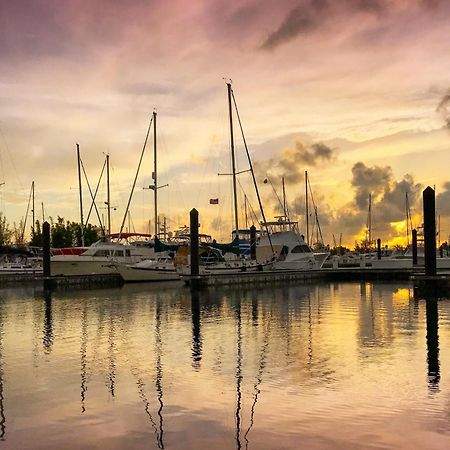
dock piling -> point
(414, 246)
(378, 248)
(429, 231)
(253, 242)
(194, 242)
(46, 254)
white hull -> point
(406, 263)
(81, 267)
(136, 274)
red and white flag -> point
(213, 201)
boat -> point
(20, 269)
(288, 246)
(100, 258)
(158, 269)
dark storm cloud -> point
(292, 161)
(443, 200)
(306, 17)
(369, 180)
(302, 19)
(443, 110)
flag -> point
(213, 201)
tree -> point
(68, 234)
(36, 235)
(5, 232)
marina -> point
(224, 225)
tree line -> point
(63, 233)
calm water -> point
(344, 366)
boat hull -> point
(132, 274)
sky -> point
(355, 92)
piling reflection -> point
(196, 336)
(48, 324)
(433, 344)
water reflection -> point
(2, 399)
(83, 358)
(261, 368)
(196, 336)
(432, 344)
(48, 325)
(159, 372)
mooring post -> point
(414, 247)
(253, 242)
(429, 231)
(194, 242)
(378, 248)
(46, 253)
(441, 251)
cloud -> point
(443, 200)
(292, 161)
(442, 108)
(369, 180)
(302, 19)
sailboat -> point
(160, 267)
(220, 261)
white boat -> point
(99, 258)
(17, 269)
(290, 249)
(159, 269)
(405, 261)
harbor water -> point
(289, 366)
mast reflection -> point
(2, 398)
(159, 367)
(259, 377)
(83, 362)
(238, 374)
(111, 360)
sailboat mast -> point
(370, 220)
(307, 207)
(108, 196)
(284, 199)
(34, 219)
(407, 219)
(233, 161)
(81, 194)
(155, 175)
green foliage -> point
(36, 236)
(68, 234)
(5, 232)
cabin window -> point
(118, 253)
(101, 253)
(301, 249)
(127, 253)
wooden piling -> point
(46, 254)
(253, 242)
(414, 247)
(378, 248)
(194, 242)
(429, 231)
